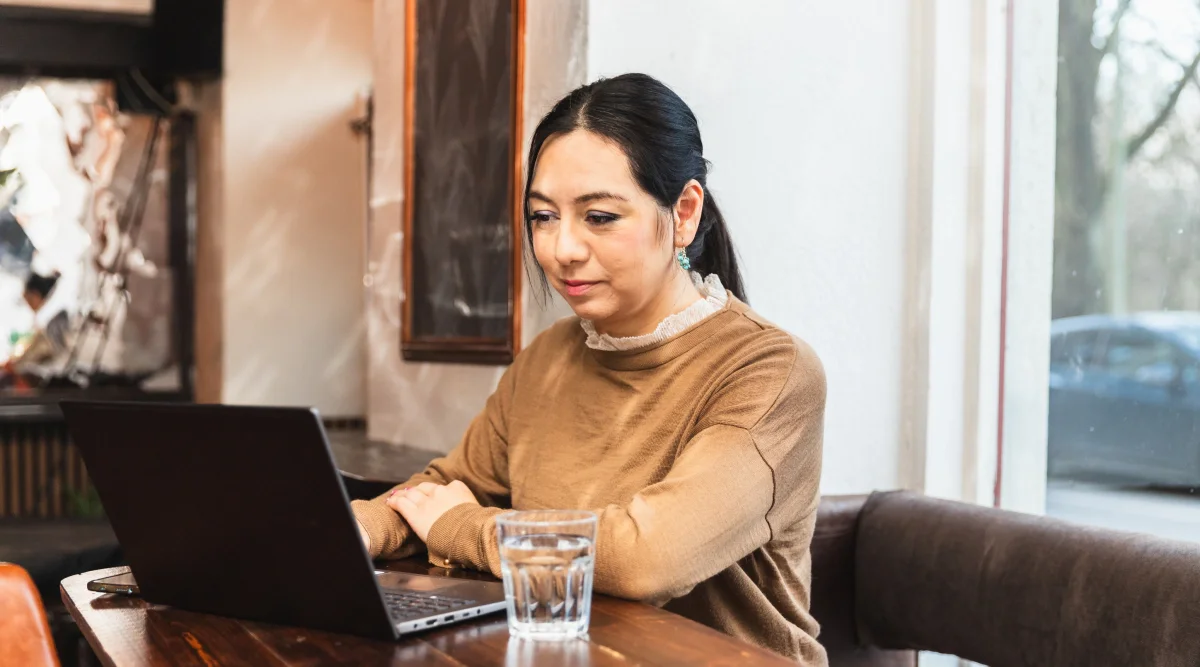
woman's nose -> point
(569, 247)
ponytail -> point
(712, 250)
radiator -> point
(41, 473)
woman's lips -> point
(578, 287)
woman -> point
(690, 424)
(23, 370)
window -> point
(1124, 434)
(1190, 376)
(1139, 358)
(1191, 338)
(1075, 350)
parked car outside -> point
(1125, 398)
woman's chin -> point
(589, 314)
(588, 309)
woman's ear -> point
(687, 213)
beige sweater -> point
(702, 456)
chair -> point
(25, 639)
(896, 573)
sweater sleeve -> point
(480, 461)
(731, 483)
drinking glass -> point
(546, 558)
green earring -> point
(682, 258)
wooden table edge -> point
(77, 616)
(758, 653)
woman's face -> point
(599, 238)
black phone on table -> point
(122, 584)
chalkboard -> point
(462, 224)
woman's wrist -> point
(366, 537)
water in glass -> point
(547, 567)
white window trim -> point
(1030, 256)
(961, 123)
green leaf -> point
(85, 505)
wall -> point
(858, 152)
(281, 203)
(803, 107)
(281, 247)
(421, 404)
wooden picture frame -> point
(430, 331)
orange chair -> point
(25, 639)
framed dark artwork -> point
(463, 212)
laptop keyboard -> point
(405, 605)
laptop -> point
(240, 511)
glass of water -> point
(546, 557)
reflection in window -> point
(1190, 337)
(1124, 427)
(1191, 377)
(1073, 350)
(1132, 356)
(85, 281)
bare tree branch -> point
(1170, 57)
(1135, 144)
(1115, 34)
(1162, 51)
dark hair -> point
(41, 285)
(658, 133)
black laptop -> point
(240, 511)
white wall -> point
(803, 108)
(283, 208)
(858, 152)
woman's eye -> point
(597, 218)
(541, 218)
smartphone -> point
(122, 584)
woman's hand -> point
(424, 504)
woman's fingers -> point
(404, 501)
(416, 515)
(409, 495)
(415, 496)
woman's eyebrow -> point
(534, 194)
(581, 199)
(597, 196)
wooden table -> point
(376, 462)
(130, 631)
(370, 467)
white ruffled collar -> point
(715, 298)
